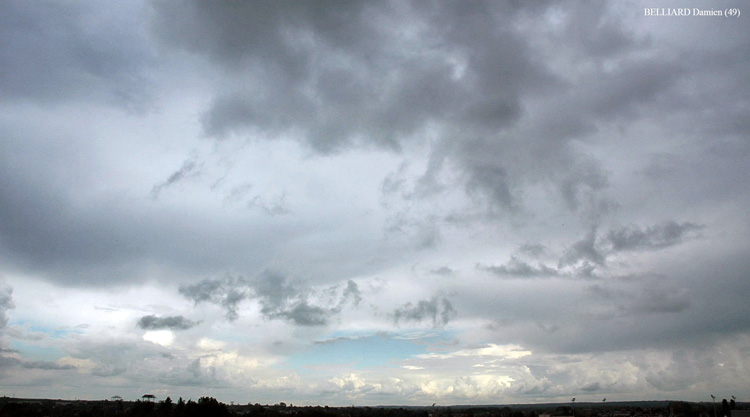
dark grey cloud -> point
(279, 298)
(437, 310)
(592, 387)
(595, 33)
(152, 322)
(394, 182)
(273, 207)
(517, 268)
(189, 168)
(6, 302)
(492, 181)
(61, 51)
(238, 193)
(46, 365)
(633, 86)
(352, 292)
(421, 232)
(580, 261)
(596, 248)
(533, 249)
(652, 298)
(585, 250)
(339, 80)
(582, 182)
(443, 270)
(659, 300)
(227, 292)
(49, 232)
(684, 306)
(334, 76)
(303, 314)
(8, 362)
(658, 236)
(343, 62)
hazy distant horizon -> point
(396, 202)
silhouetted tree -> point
(166, 407)
(725, 408)
(683, 409)
(180, 407)
(141, 409)
(205, 407)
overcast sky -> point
(374, 202)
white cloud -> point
(210, 344)
(160, 337)
(492, 350)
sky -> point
(362, 203)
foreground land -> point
(207, 406)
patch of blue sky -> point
(54, 333)
(425, 335)
(36, 352)
(363, 351)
